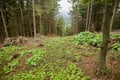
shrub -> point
(87, 38)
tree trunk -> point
(34, 24)
(90, 15)
(76, 25)
(50, 20)
(40, 25)
(105, 41)
(30, 33)
(103, 21)
(113, 16)
(55, 27)
(87, 17)
(4, 23)
(22, 20)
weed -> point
(87, 38)
(8, 68)
(116, 46)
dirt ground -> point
(89, 66)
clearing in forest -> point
(60, 58)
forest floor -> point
(55, 58)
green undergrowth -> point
(5, 53)
(115, 35)
(37, 56)
(49, 72)
(87, 38)
(8, 50)
(55, 61)
(9, 67)
(6, 64)
(116, 47)
(94, 39)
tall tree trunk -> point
(22, 20)
(30, 29)
(4, 23)
(40, 25)
(50, 20)
(34, 24)
(55, 27)
(113, 16)
(105, 41)
(103, 21)
(87, 17)
(72, 22)
(90, 15)
(76, 24)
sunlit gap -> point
(64, 10)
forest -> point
(36, 43)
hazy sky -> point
(65, 7)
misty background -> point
(65, 7)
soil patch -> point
(21, 66)
(89, 65)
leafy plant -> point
(8, 50)
(107, 71)
(116, 46)
(87, 38)
(115, 35)
(71, 72)
(8, 68)
(37, 56)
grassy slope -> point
(57, 59)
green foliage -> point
(85, 1)
(115, 35)
(38, 10)
(116, 46)
(8, 68)
(38, 55)
(60, 25)
(94, 39)
(36, 74)
(67, 30)
(87, 38)
(107, 71)
(6, 52)
(55, 60)
(71, 72)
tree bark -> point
(55, 27)
(4, 23)
(113, 16)
(90, 15)
(103, 20)
(76, 25)
(22, 20)
(87, 16)
(105, 41)
(40, 25)
(34, 24)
